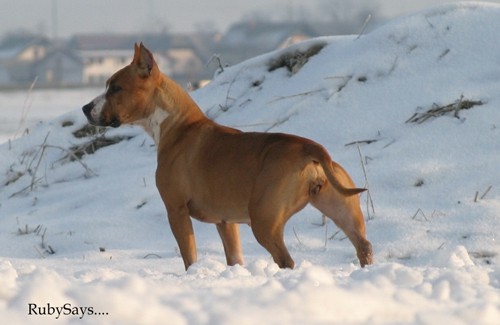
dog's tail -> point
(321, 156)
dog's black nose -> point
(87, 109)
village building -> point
(90, 59)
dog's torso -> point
(214, 168)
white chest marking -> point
(152, 124)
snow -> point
(88, 242)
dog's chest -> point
(152, 124)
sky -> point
(125, 16)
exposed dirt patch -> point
(294, 61)
(89, 130)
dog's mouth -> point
(115, 123)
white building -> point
(99, 65)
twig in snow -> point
(345, 81)
(394, 65)
(50, 250)
(27, 230)
(26, 106)
(297, 236)
(340, 77)
(226, 106)
(369, 200)
(151, 255)
(88, 171)
(444, 54)
(367, 20)
(429, 22)
(334, 234)
(306, 93)
(390, 143)
(486, 192)
(361, 142)
(39, 252)
(24, 188)
(43, 237)
(38, 156)
(40, 231)
(421, 212)
(343, 85)
(477, 197)
(216, 57)
(42, 152)
(279, 122)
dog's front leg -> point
(230, 235)
(182, 228)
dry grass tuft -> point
(450, 109)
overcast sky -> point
(123, 16)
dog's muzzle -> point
(87, 110)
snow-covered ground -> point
(86, 241)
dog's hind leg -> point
(279, 192)
(270, 235)
(230, 235)
(268, 216)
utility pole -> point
(57, 71)
(54, 20)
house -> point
(25, 58)
(90, 59)
(179, 56)
(99, 65)
(185, 54)
(6, 56)
(18, 55)
(59, 67)
(101, 55)
(184, 64)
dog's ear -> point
(143, 59)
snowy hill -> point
(411, 110)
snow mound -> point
(83, 234)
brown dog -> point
(220, 175)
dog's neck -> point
(152, 124)
(172, 101)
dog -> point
(224, 176)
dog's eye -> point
(114, 89)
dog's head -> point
(129, 93)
